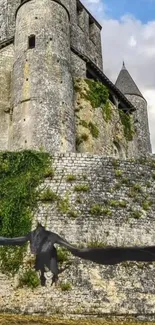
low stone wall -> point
(87, 184)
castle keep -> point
(44, 46)
(98, 189)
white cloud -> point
(130, 40)
(134, 42)
(96, 7)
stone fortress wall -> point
(107, 201)
(124, 190)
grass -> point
(11, 319)
(65, 286)
(48, 195)
(81, 188)
(70, 178)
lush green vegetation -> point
(127, 125)
(97, 94)
(21, 173)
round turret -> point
(42, 94)
(127, 86)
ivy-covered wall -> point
(92, 200)
(102, 128)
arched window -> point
(118, 150)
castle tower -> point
(127, 86)
(42, 86)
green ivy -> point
(127, 125)
(107, 111)
(20, 175)
(97, 94)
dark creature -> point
(42, 245)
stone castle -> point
(44, 46)
(48, 49)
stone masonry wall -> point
(142, 125)
(6, 64)
(110, 138)
(42, 95)
(125, 190)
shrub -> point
(29, 278)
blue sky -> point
(143, 10)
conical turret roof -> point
(126, 84)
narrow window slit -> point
(31, 41)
